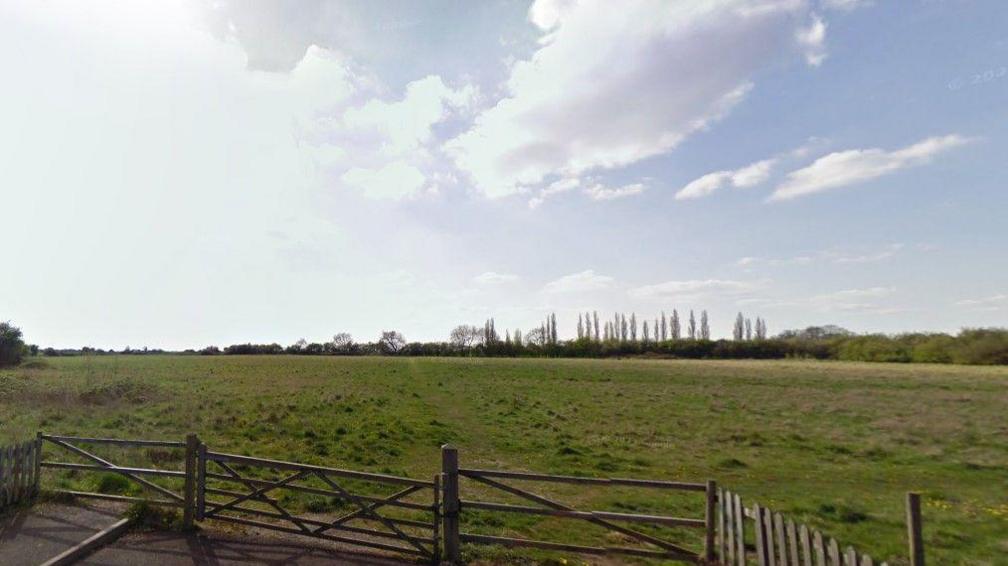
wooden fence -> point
(19, 472)
(780, 541)
(422, 518)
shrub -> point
(12, 348)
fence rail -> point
(421, 518)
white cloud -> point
(586, 280)
(695, 288)
(853, 300)
(384, 147)
(992, 303)
(405, 125)
(843, 168)
(608, 88)
(395, 180)
(554, 188)
(881, 255)
(813, 41)
(832, 256)
(600, 192)
(492, 277)
(743, 177)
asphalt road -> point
(178, 549)
(31, 536)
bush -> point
(12, 348)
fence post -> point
(437, 519)
(914, 529)
(38, 463)
(192, 445)
(710, 521)
(201, 482)
(449, 469)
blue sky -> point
(177, 174)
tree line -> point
(614, 336)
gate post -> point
(192, 445)
(38, 463)
(201, 482)
(914, 529)
(710, 521)
(449, 467)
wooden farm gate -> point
(177, 487)
(649, 545)
(410, 528)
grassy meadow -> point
(836, 444)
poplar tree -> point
(691, 328)
(646, 337)
(738, 331)
(595, 316)
(676, 328)
(704, 326)
(633, 327)
(748, 329)
(664, 328)
(580, 329)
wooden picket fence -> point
(19, 472)
(780, 541)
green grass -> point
(834, 444)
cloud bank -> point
(608, 88)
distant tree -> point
(536, 336)
(748, 328)
(633, 327)
(675, 327)
(692, 326)
(595, 317)
(553, 329)
(816, 333)
(580, 327)
(704, 326)
(761, 332)
(738, 331)
(646, 336)
(465, 336)
(664, 327)
(391, 342)
(342, 343)
(518, 337)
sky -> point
(181, 174)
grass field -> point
(835, 444)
